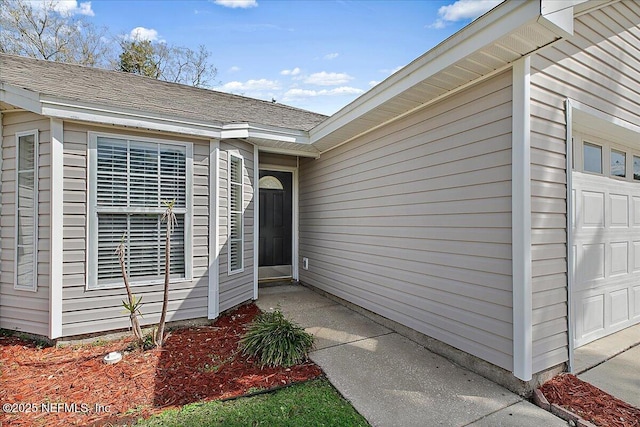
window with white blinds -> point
(236, 220)
(133, 180)
(26, 226)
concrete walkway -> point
(391, 380)
(612, 364)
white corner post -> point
(256, 218)
(213, 298)
(521, 221)
(570, 213)
(56, 206)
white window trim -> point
(92, 220)
(231, 154)
(36, 165)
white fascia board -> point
(521, 221)
(289, 151)
(56, 232)
(504, 19)
(99, 114)
(21, 98)
(251, 130)
(557, 15)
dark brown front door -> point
(275, 219)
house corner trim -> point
(256, 218)
(521, 221)
(570, 253)
(56, 236)
(213, 296)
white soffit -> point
(508, 32)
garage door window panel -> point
(618, 164)
(592, 155)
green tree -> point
(162, 61)
(139, 57)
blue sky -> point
(317, 55)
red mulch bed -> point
(589, 402)
(195, 364)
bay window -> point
(131, 180)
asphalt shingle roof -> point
(133, 92)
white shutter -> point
(144, 246)
(173, 175)
(143, 175)
(111, 229)
(112, 172)
(177, 267)
(26, 215)
(236, 202)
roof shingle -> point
(133, 92)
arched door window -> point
(270, 183)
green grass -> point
(314, 403)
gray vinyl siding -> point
(413, 221)
(278, 160)
(24, 310)
(236, 288)
(88, 311)
(599, 66)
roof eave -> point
(104, 115)
(20, 98)
(259, 131)
(550, 17)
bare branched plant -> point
(170, 218)
(133, 304)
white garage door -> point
(606, 239)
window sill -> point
(120, 285)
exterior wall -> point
(24, 310)
(599, 66)
(413, 221)
(236, 288)
(278, 159)
(97, 310)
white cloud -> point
(331, 56)
(461, 10)
(294, 94)
(372, 83)
(250, 86)
(328, 79)
(243, 4)
(67, 7)
(389, 71)
(234, 69)
(293, 72)
(142, 33)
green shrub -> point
(275, 341)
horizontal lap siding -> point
(598, 67)
(278, 160)
(413, 221)
(89, 311)
(238, 287)
(24, 310)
